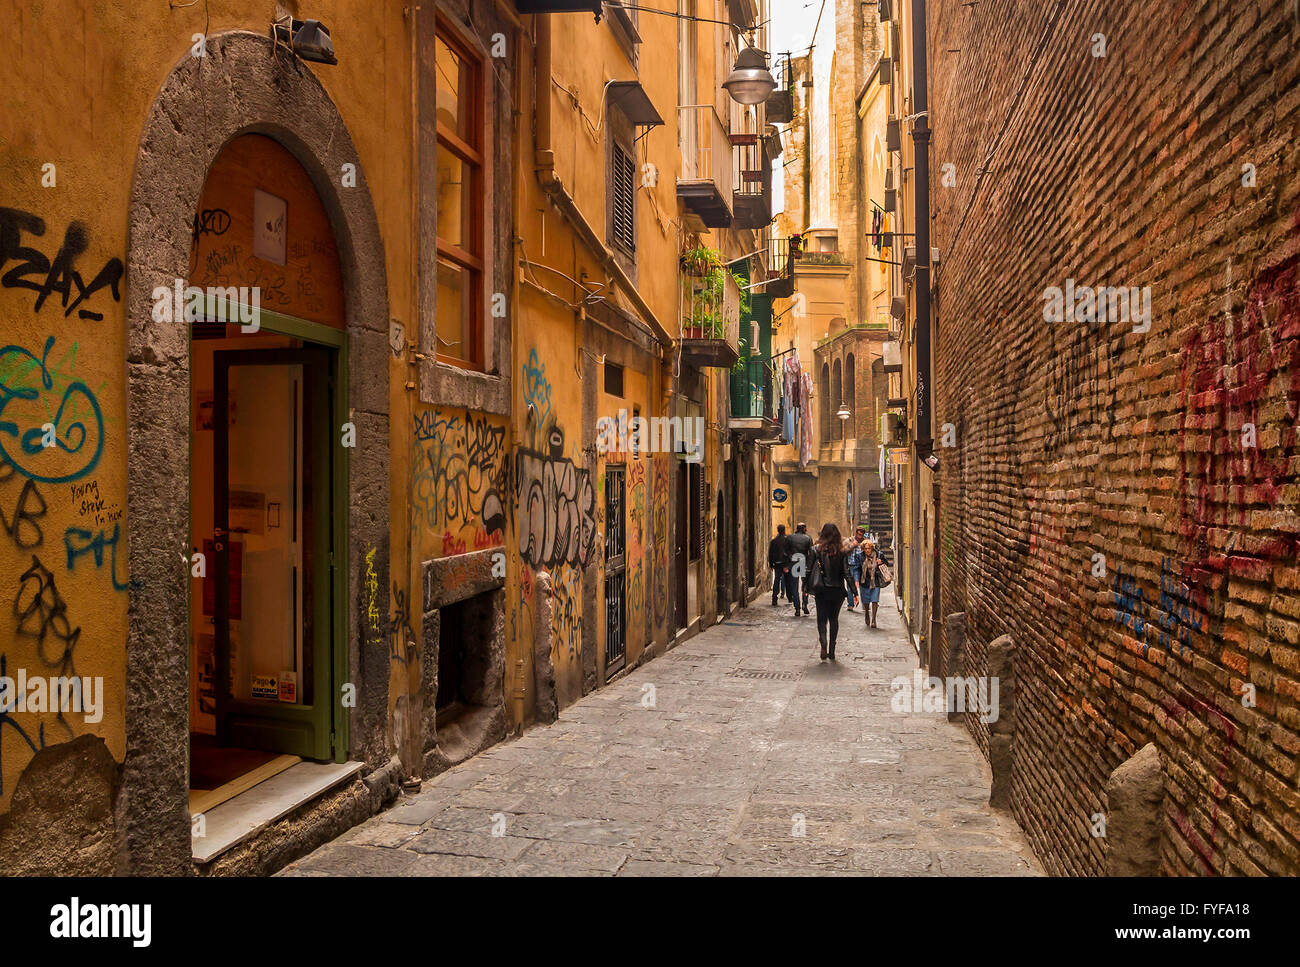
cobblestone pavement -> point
(748, 732)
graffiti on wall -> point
(537, 389)
(1191, 704)
(51, 427)
(555, 506)
(566, 613)
(659, 514)
(401, 637)
(1238, 410)
(458, 473)
(26, 267)
(1169, 620)
(636, 503)
(52, 435)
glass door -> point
(272, 544)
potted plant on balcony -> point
(701, 261)
(699, 320)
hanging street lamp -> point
(750, 82)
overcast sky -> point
(791, 30)
(793, 21)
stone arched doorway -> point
(242, 87)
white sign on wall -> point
(270, 226)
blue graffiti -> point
(1175, 616)
(537, 388)
(46, 440)
(95, 544)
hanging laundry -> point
(805, 428)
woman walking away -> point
(830, 564)
(870, 580)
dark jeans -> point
(829, 602)
(779, 581)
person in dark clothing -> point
(778, 556)
(801, 546)
(831, 560)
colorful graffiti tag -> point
(458, 478)
(555, 507)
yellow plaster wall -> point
(79, 81)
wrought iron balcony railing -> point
(705, 183)
(710, 328)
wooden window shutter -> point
(624, 199)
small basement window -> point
(470, 669)
(613, 379)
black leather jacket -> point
(778, 552)
(834, 568)
(801, 544)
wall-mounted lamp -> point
(309, 39)
(843, 412)
(750, 82)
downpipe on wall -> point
(924, 389)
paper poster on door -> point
(270, 226)
(247, 514)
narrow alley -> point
(703, 762)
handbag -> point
(886, 577)
(816, 579)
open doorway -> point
(266, 474)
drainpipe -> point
(543, 156)
(544, 162)
(921, 164)
(924, 390)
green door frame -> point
(315, 333)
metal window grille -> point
(615, 570)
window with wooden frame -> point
(461, 200)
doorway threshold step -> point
(231, 823)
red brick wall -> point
(1075, 439)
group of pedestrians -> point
(833, 570)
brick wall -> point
(1078, 438)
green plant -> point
(741, 283)
(701, 260)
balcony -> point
(755, 394)
(752, 196)
(704, 185)
(780, 269)
(710, 320)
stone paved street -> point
(748, 731)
